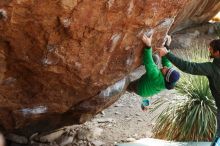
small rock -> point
(80, 142)
(119, 105)
(17, 138)
(103, 113)
(49, 137)
(72, 127)
(89, 133)
(128, 119)
(140, 120)
(89, 144)
(105, 120)
(138, 114)
(130, 139)
(83, 133)
(98, 143)
(33, 136)
(64, 140)
(131, 106)
(96, 132)
(117, 113)
(135, 135)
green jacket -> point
(209, 69)
(152, 82)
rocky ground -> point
(124, 121)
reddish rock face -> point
(57, 57)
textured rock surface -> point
(196, 12)
(57, 57)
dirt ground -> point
(124, 121)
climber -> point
(154, 80)
(209, 69)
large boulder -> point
(63, 61)
(196, 12)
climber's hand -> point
(162, 51)
(147, 40)
(168, 40)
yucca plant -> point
(190, 117)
